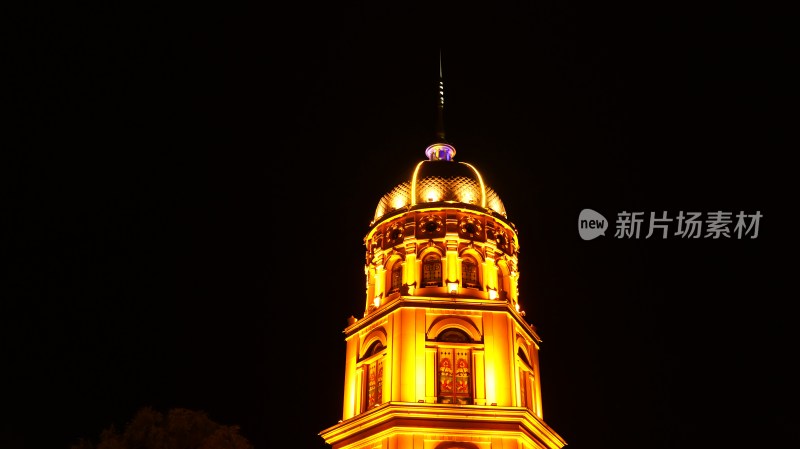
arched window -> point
(469, 272)
(432, 271)
(454, 368)
(454, 336)
(527, 388)
(502, 293)
(373, 377)
(397, 277)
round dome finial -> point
(440, 152)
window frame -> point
(372, 362)
(527, 376)
(431, 260)
(396, 273)
(469, 261)
(450, 348)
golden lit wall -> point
(442, 357)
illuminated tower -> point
(442, 357)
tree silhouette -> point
(180, 428)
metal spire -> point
(440, 150)
(440, 117)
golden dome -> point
(439, 180)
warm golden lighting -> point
(495, 205)
(431, 195)
(445, 366)
(452, 287)
(480, 179)
(468, 196)
(443, 424)
(414, 183)
(398, 201)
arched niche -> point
(464, 324)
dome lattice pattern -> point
(399, 197)
(435, 188)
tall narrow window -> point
(432, 271)
(455, 376)
(501, 284)
(523, 392)
(397, 276)
(374, 384)
(469, 272)
(526, 389)
(373, 377)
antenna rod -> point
(440, 118)
(440, 150)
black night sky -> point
(186, 189)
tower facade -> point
(442, 357)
